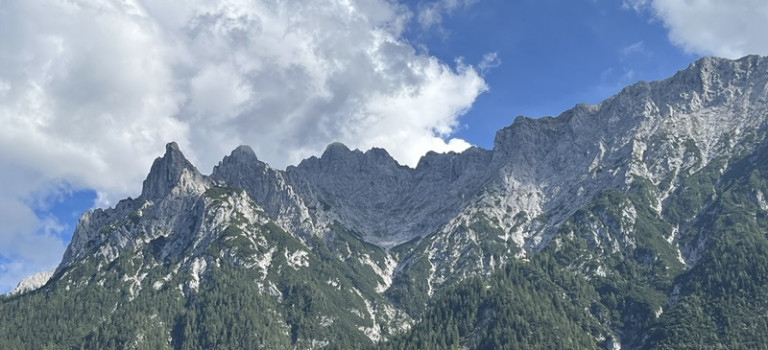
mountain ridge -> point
(619, 206)
(507, 147)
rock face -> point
(653, 131)
(542, 169)
(389, 204)
(630, 184)
(32, 282)
(166, 205)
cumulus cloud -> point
(721, 28)
(91, 90)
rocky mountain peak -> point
(380, 155)
(692, 96)
(267, 186)
(243, 152)
(166, 173)
(340, 160)
(32, 283)
(242, 161)
(335, 149)
(712, 81)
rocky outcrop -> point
(32, 282)
(166, 205)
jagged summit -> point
(547, 165)
(338, 153)
(335, 148)
(241, 157)
(710, 82)
(243, 152)
(166, 172)
(241, 162)
(172, 147)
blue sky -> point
(554, 54)
(91, 90)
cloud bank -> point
(730, 29)
(91, 90)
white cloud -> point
(489, 61)
(637, 5)
(431, 13)
(91, 90)
(729, 29)
(28, 244)
(635, 48)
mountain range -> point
(637, 223)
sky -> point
(92, 90)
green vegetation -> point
(518, 307)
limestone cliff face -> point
(538, 174)
(389, 204)
(548, 168)
(166, 205)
